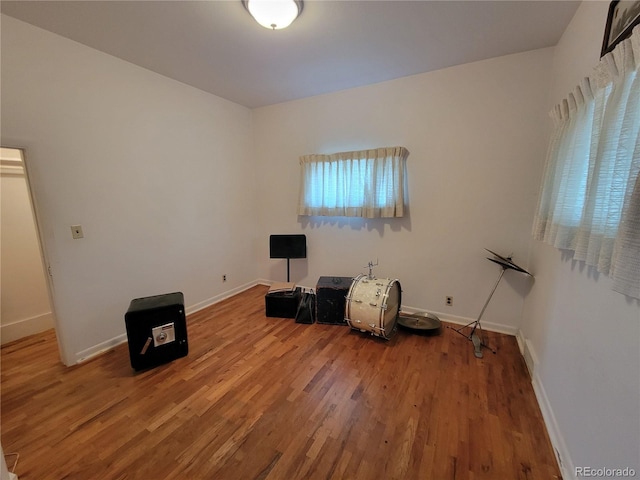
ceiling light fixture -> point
(274, 14)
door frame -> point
(44, 258)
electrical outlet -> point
(76, 231)
(224, 278)
(449, 301)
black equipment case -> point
(156, 330)
(331, 293)
(282, 304)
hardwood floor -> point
(266, 398)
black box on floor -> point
(282, 304)
(156, 330)
(331, 293)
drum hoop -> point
(348, 298)
(385, 297)
(395, 320)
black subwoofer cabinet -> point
(331, 293)
(156, 330)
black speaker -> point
(156, 330)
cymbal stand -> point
(479, 341)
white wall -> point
(161, 176)
(158, 174)
(24, 298)
(584, 335)
(476, 135)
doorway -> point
(25, 303)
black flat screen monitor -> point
(288, 246)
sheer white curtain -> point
(365, 183)
(589, 196)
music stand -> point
(478, 341)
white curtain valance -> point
(364, 183)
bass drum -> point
(373, 305)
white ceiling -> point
(334, 45)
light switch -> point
(76, 231)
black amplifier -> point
(283, 304)
(331, 293)
(156, 330)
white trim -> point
(520, 340)
(567, 468)
(488, 326)
(11, 167)
(218, 298)
(11, 164)
(25, 327)
(96, 350)
(557, 440)
(528, 353)
(530, 358)
(91, 352)
(526, 347)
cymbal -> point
(506, 262)
(421, 322)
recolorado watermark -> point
(592, 472)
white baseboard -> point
(528, 353)
(520, 340)
(525, 346)
(488, 326)
(557, 440)
(25, 327)
(218, 298)
(96, 350)
(526, 349)
(567, 468)
(99, 349)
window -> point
(366, 183)
(591, 192)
